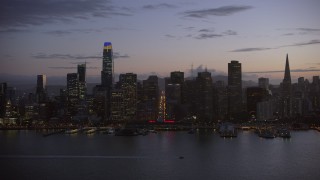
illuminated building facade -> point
(107, 66)
(106, 79)
(82, 81)
(162, 107)
(128, 84)
(117, 105)
(72, 92)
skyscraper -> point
(148, 109)
(107, 66)
(72, 92)
(175, 95)
(128, 84)
(204, 94)
(82, 81)
(3, 98)
(41, 88)
(254, 96)
(106, 79)
(234, 88)
(264, 83)
(286, 94)
(177, 77)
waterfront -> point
(165, 155)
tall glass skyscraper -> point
(234, 88)
(82, 81)
(106, 79)
(107, 66)
(72, 92)
(41, 88)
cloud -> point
(64, 56)
(159, 6)
(202, 68)
(230, 33)
(207, 33)
(116, 55)
(58, 32)
(190, 28)
(300, 31)
(169, 36)
(221, 11)
(206, 30)
(288, 34)
(80, 62)
(69, 67)
(206, 36)
(250, 49)
(17, 13)
(281, 71)
(13, 30)
(85, 30)
(309, 29)
(311, 42)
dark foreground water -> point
(28, 155)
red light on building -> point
(169, 121)
(151, 121)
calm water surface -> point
(29, 155)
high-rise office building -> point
(82, 81)
(204, 95)
(220, 96)
(264, 83)
(150, 101)
(286, 94)
(315, 93)
(175, 95)
(254, 96)
(107, 66)
(41, 88)
(128, 84)
(117, 105)
(234, 88)
(3, 98)
(234, 74)
(177, 77)
(73, 92)
(106, 81)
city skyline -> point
(148, 36)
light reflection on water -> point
(165, 155)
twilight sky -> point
(159, 36)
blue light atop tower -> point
(107, 44)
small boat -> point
(267, 133)
(109, 131)
(284, 133)
(90, 131)
(72, 131)
(153, 131)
